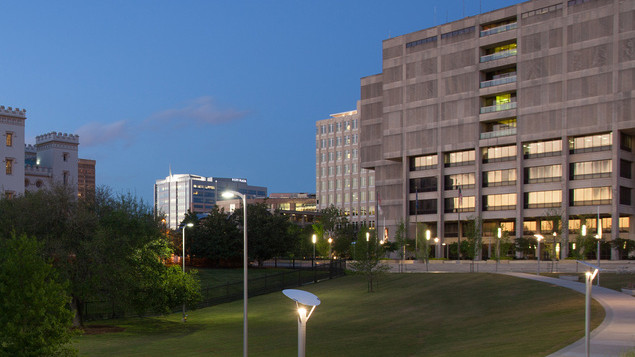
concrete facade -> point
(508, 116)
(339, 179)
(176, 194)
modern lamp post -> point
(589, 276)
(438, 248)
(499, 234)
(330, 242)
(183, 258)
(538, 238)
(427, 248)
(314, 239)
(302, 298)
(230, 194)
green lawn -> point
(409, 315)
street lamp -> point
(587, 304)
(330, 241)
(427, 247)
(499, 234)
(314, 239)
(538, 238)
(446, 254)
(230, 194)
(302, 298)
(438, 248)
(598, 237)
(183, 257)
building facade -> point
(340, 180)
(86, 178)
(52, 160)
(176, 194)
(510, 116)
(300, 208)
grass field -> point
(409, 315)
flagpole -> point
(458, 248)
(416, 222)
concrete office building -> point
(523, 109)
(176, 194)
(339, 178)
(300, 208)
(86, 178)
(52, 160)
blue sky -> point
(214, 88)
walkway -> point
(616, 334)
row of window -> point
(338, 170)
(353, 197)
(338, 141)
(337, 127)
(338, 155)
(346, 183)
(590, 196)
(582, 144)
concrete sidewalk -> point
(616, 334)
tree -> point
(368, 263)
(268, 233)
(554, 216)
(401, 239)
(107, 248)
(423, 243)
(474, 237)
(623, 247)
(34, 316)
(217, 238)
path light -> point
(588, 277)
(303, 299)
(538, 238)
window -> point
(540, 174)
(423, 162)
(498, 52)
(355, 152)
(423, 184)
(339, 184)
(543, 199)
(354, 123)
(590, 196)
(499, 153)
(347, 140)
(9, 195)
(459, 158)
(625, 196)
(625, 169)
(454, 204)
(65, 157)
(339, 126)
(339, 141)
(626, 142)
(466, 180)
(505, 201)
(599, 142)
(428, 206)
(331, 128)
(9, 139)
(8, 166)
(499, 178)
(339, 155)
(590, 169)
(542, 149)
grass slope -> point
(409, 315)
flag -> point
(416, 201)
(460, 197)
(385, 233)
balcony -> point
(498, 107)
(498, 81)
(498, 29)
(498, 133)
(499, 55)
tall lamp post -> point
(538, 238)
(499, 234)
(302, 298)
(230, 194)
(330, 241)
(438, 248)
(183, 258)
(427, 248)
(599, 238)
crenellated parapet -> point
(35, 170)
(14, 112)
(57, 137)
(29, 148)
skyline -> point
(212, 89)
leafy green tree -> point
(474, 237)
(623, 247)
(34, 316)
(368, 263)
(217, 238)
(107, 248)
(268, 233)
(401, 239)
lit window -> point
(9, 166)
(9, 139)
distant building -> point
(300, 208)
(176, 194)
(339, 179)
(86, 178)
(52, 160)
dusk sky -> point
(213, 88)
